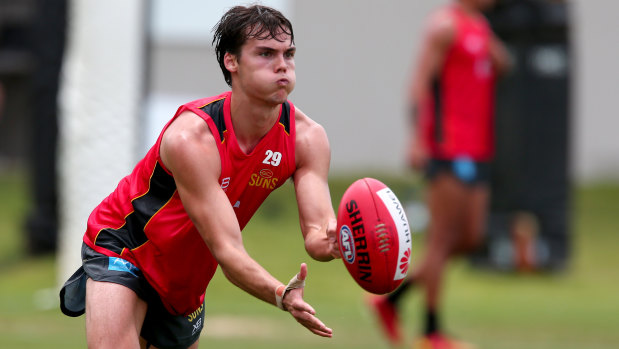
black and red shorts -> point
(160, 328)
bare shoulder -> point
(441, 24)
(187, 126)
(308, 131)
(443, 16)
(311, 138)
(305, 126)
(184, 139)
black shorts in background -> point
(464, 169)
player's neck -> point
(251, 120)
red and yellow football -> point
(374, 236)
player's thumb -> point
(303, 272)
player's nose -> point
(281, 64)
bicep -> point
(188, 150)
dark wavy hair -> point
(241, 23)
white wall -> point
(191, 21)
(596, 89)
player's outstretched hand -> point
(302, 311)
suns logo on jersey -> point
(264, 179)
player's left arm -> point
(316, 215)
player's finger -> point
(335, 250)
(331, 229)
(303, 273)
(323, 333)
(317, 327)
(332, 236)
(313, 324)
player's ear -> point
(231, 62)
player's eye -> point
(265, 53)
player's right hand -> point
(303, 312)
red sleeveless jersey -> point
(457, 118)
(144, 222)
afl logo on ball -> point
(347, 244)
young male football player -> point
(153, 245)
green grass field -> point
(575, 309)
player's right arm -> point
(438, 37)
(189, 151)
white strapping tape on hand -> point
(281, 291)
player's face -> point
(266, 68)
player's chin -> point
(280, 96)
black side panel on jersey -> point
(438, 111)
(284, 118)
(131, 234)
(215, 110)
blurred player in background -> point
(452, 142)
(153, 245)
